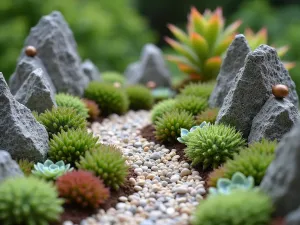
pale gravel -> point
(167, 191)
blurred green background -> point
(112, 32)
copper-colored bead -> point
(30, 51)
(280, 91)
(117, 85)
(151, 84)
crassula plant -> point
(238, 182)
(50, 170)
(201, 48)
(184, 132)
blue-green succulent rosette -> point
(184, 133)
(50, 170)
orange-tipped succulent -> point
(201, 48)
(261, 37)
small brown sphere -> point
(117, 85)
(151, 84)
(30, 51)
(280, 91)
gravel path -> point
(167, 191)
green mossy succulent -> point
(49, 170)
(28, 201)
(162, 107)
(198, 89)
(168, 127)
(26, 166)
(238, 208)
(191, 104)
(70, 145)
(108, 163)
(61, 119)
(252, 161)
(112, 77)
(140, 97)
(109, 98)
(213, 145)
(208, 115)
(67, 100)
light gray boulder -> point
(232, 63)
(252, 87)
(8, 167)
(57, 49)
(90, 70)
(35, 93)
(151, 67)
(20, 134)
(293, 218)
(25, 67)
(276, 118)
(282, 179)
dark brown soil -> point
(76, 215)
(147, 132)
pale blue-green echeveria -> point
(238, 182)
(184, 132)
(50, 170)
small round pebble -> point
(280, 91)
(30, 51)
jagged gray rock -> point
(57, 49)
(276, 118)
(232, 63)
(293, 218)
(282, 179)
(151, 67)
(35, 93)
(25, 67)
(252, 87)
(8, 167)
(20, 134)
(90, 70)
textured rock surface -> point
(252, 87)
(232, 63)
(35, 93)
(20, 134)
(282, 179)
(276, 118)
(151, 67)
(90, 70)
(57, 49)
(25, 67)
(8, 167)
(293, 218)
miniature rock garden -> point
(79, 146)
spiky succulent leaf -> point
(140, 97)
(191, 104)
(26, 166)
(109, 98)
(67, 100)
(203, 44)
(167, 127)
(70, 145)
(108, 163)
(162, 107)
(208, 115)
(240, 207)
(82, 188)
(252, 161)
(28, 201)
(61, 119)
(198, 89)
(214, 145)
